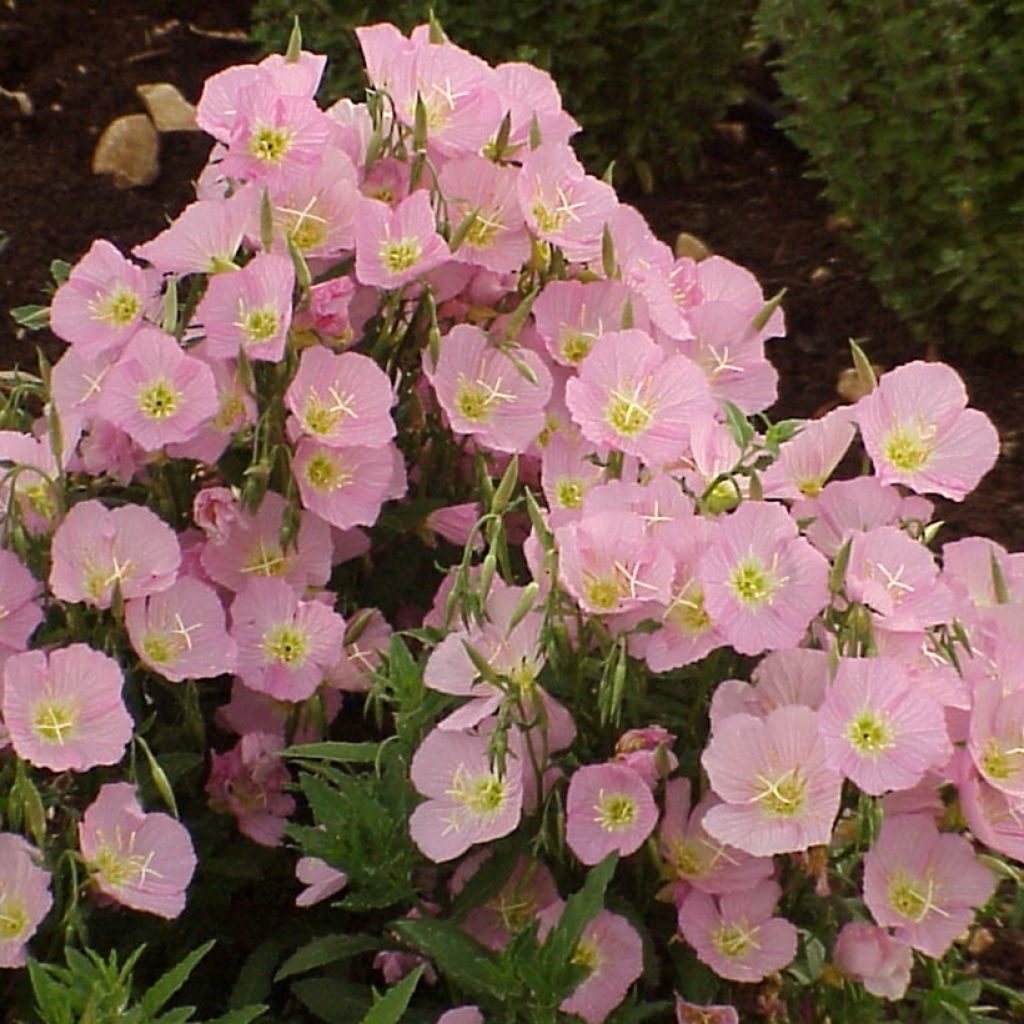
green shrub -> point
(645, 79)
(913, 114)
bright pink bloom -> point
(285, 646)
(879, 731)
(763, 583)
(485, 394)
(342, 400)
(249, 310)
(632, 397)
(996, 738)
(995, 818)
(181, 633)
(95, 548)
(367, 636)
(924, 884)
(24, 898)
(919, 432)
(65, 711)
(562, 204)
(797, 676)
(608, 807)
(143, 861)
(329, 312)
(253, 549)
(320, 879)
(873, 957)
(343, 486)
(780, 795)
(19, 614)
(701, 1013)
(394, 247)
(691, 857)
(205, 237)
(497, 238)
(736, 935)
(571, 316)
(156, 393)
(566, 476)
(101, 304)
(76, 388)
(469, 800)
(806, 461)
(248, 781)
(274, 138)
(528, 93)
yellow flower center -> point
(687, 613)
(117, 308)
(630, 413)
(869, 733)
(13, 918)
(908, 447)
(576, 345)
(569, 493)
(735, 940)
(286, 644)
(269, 144)
(753, 583)
(784, 796)
(260, 324)
(586, 955)
(266, 560)
(326, 473)
(55, 720)
(481, 795)
(913, 898)
(400, 255)
(159, 400)
(121, 870)
(615, 811)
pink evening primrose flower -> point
(143, 861)
(285, 646)
(321, 881)
(205, 237)
(924, 884)
(156, 393)
(96, 548)
(996, 735)
(807, 460)
(24, 898)
(779, 793)
(870, 955)
(342, 400)
(469, 800)
(608, 807)
(648, 752)
(19, 614)
(485, 394)
(461, 1015)
(65, 711)
(631, 397)
(736, 935)
(529, 93)
(394, 247)
(879, 730)
(101, 304)
(762, 582)
(704, 1013)
(919, 432)
(249, 310)
(180, 633)
(248, 782)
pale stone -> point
(128, 150)
(170, 111)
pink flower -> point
(923, 884)
(470, 800)
(248, 781)
(485, 394)
(180, 633)
(253, 549)
(996, 736)
(571, 316)
(879, 731)
(807, 461)
(320, 879)
(215, 510)
(461, 1015)
(526, 93)
(763, 583)
(33, 485)
(101, 304)
(918, 431)
(249, 310)
(566, 476)
(994, 817)
(396, 247)
(95, 548)
(19, 614)
(632, 397)
(608, 807)
(344, 486)
(648, 752)
(24, 898)
(143, 861)
(156, 393)
(285, 646)
(342, 400)
(873, 957)
(780, 795)
(700, 1013)
(65, 712)
(736, 935)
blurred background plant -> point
(646, 80)
(913, 117)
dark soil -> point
(80, 63)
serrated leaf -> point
(327, 949)
(390, 1007)
(172, 980)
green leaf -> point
(243, 1015)
(256, 976)
(581, 908)
(32, 318)
(333, 1000)
(60, 271)
(327, 949)
(467, 963)
(52, 998)
(390, 1007)
(160, 780)
(739, 426)
(169, 983)
(343, 753)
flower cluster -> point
(416, 324)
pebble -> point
(170, 111)
(128, 150)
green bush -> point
(913, 114)
(645, 79)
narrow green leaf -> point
(344, 753)
(1002, 591)
(172, 980)
(160, 780)
(865, 371)
(582, 907)
(294, 51)
(243, 1015)
(390, 1007)
(327, 949)
(169, 323)
(739, 426)
(765, 313)
(467, 963)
